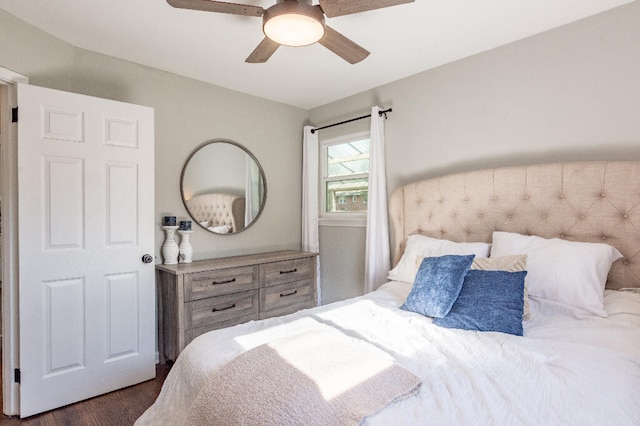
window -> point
(345, 178)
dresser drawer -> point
(278, 296)
(286, 271)
(195, 332)
(286, 310)
(221, 281)
(203, 312)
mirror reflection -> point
(223, 187)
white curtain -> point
(310, 238)
(377, 255)
(253, 192)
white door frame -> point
(9, 192)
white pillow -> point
(222, 229)
(422, 246)
(571, 273)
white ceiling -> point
(211, 47)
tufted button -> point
(582, 216)
(510, 216)
(495, 198)
(561, 195)
(468, 233)
(544, 216)
(626, 216)
(453, 215)
(442, 231)
(526, 197)
(603, 237)
(480, 215)
(466, 198)
(562, 235)
(625, 262)
(602, 195)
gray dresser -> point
(209, 294)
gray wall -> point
(187, 113)
(570, 94)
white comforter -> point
(566, 370)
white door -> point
(86, 299)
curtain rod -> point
(380, 114)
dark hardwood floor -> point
(119, 408)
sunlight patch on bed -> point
(260, 337)
(387, 328)
(334, 362)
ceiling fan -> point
(297, 23)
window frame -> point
(355, 219)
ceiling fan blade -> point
(217, 6)
(263, 51)
(342, 46)
(333, 8)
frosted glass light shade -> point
(293, 29)
(293, 23)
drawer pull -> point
(232, 280)
(289, 294)
(223, 309)
(290, 271)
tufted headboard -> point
(218, 209)
(590, 201)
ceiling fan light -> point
(294, 30)
(293, 24)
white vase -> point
(186, 251)
(170, 248)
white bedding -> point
(567, 369)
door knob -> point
(147, 258)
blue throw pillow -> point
(488, 301)
(437, 285)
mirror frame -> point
(263, 202)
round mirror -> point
(223, 187)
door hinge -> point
(16, 375)
(14, 114)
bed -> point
(218, 212)
(577, 360)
